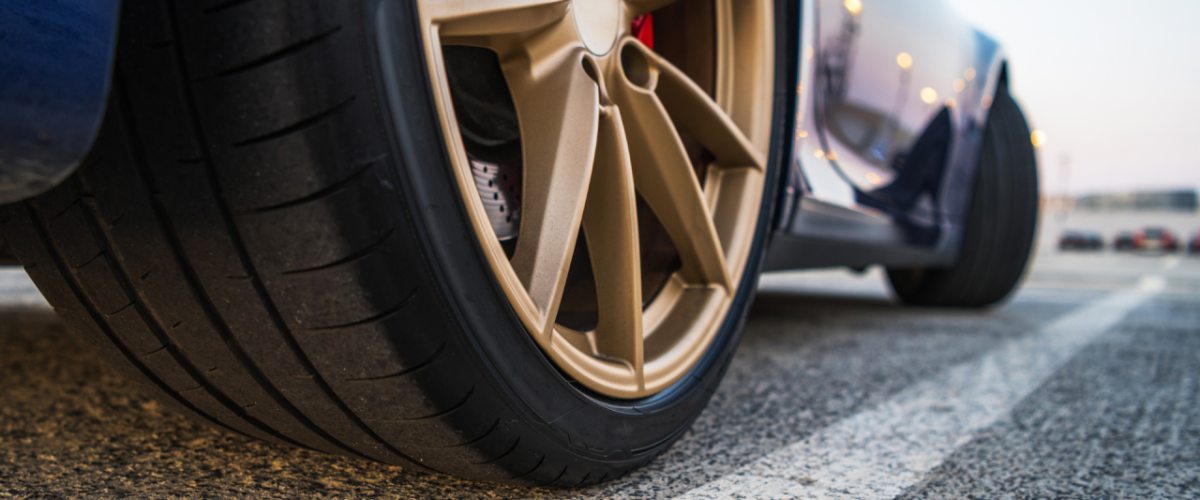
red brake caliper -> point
(643, 29)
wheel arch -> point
(964, 163)
(58, 61)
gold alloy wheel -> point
(603, 120)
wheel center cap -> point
(598, 23)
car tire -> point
(1001, 223)
(7, 258)
(268, 234)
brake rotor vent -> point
(499, 186)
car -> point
(1080, 240)
(1123, 241)
(1155, 239)
(513, 241)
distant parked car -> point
(1153, 239)
(1080, 240)
(1123, 242)
(1194, 244)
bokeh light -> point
(1038, 137)
(928, 95)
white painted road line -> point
(879, 452)
(17, 289)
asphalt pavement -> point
(1084, 385)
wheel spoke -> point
(664, 176)
(491, 17)
(610, 223)
(697, 115)
(560, 109)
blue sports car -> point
(510, 240)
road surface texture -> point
(1084, 385)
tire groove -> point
(495, 425)
(60, 212)
(387, 313)
(530, 471)
(443, 412)
(151, 353)
(295, 127)
(353, 257)
(408, 371)
(280, 54)
(516, 442)
(119, 311)
(324, 192)
(556, 478)
(227, 219)
(581, 481)
(91, 260)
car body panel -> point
(877, 174)
(56, 60)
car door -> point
(888, 77)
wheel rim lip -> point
(604, 377)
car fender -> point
(56, 59)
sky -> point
(1114, 85)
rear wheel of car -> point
(1001, 224)
(512, 241)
